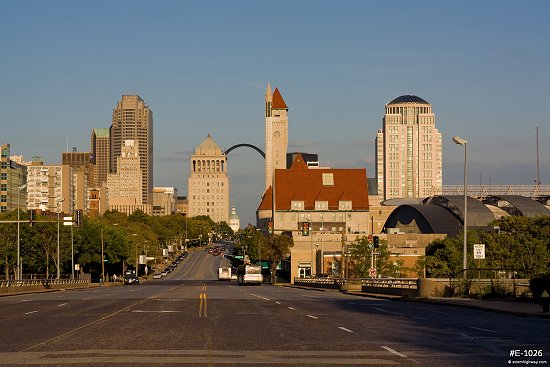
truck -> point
(224, 273)
(250, 274)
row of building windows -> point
(321, 205)
(408, 110)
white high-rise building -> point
(124, 188)
(408, 150)
(208, 182)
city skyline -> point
(480, 65)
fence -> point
(420, 287)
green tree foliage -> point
(361, 260)
(520, 244)
(276, 249)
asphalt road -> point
(189, 318)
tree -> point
(361, 260)
(278, 248)
(8, 242)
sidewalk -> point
(516, 308)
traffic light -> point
(376, 241)
(305, 228)
(270, 227)
(78, 217)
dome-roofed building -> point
(407, 98)
(234, 221)
(208, 182)
(408, 150)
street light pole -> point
(458, 140)
(19, 274)
(58, 258)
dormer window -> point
(328, 179)
(344, 205)
(297, 205)
(321, 205)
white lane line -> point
(255, 295)
(380, 309)
(478, 328)
(278, 303)
(313, 317)
(393, 351)
(24, 300)
(350, 303)
(28, 313)
(343, 328)
(63, 304)
(418, 318)
(145, 311)
(290, 308)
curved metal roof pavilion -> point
(407, 98)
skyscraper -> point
(82, 178)
(100, 155)
(133, 120)
(125, 186)
(276, 133)
(408, 150)
(208, 184)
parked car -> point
(157, 276)
(131, 279)
(164, 273)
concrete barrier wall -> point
(40, 286)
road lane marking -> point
(393, 351)
(290, 308)
(278, 303)
(28, 313)
(350, 303)
(380, 309)
(63, 304)
(345, 329)
(202, 298)
(418, 318)
(24, 300)
(95, 322)
(478, 328)
(255, 295)
(162, 311)
(313, 317)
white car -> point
(157, 276)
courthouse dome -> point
(407, 99)
(208, 147)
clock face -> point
(277, 134)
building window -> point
(321, 205)
(328, 179)
(344, 205)
(297, 205)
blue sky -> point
(202, 66)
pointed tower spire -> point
(268, 91)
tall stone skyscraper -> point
(408, 150)
(276, 133)
(100, 155)
(208, 184)
(133, 120)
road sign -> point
(372, 272)
(67, 221)
(479, 251)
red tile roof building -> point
(333, 201)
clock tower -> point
(276, 133)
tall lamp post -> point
(58, 214)
(458, 140)
(19, 274)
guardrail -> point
(37, 285)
